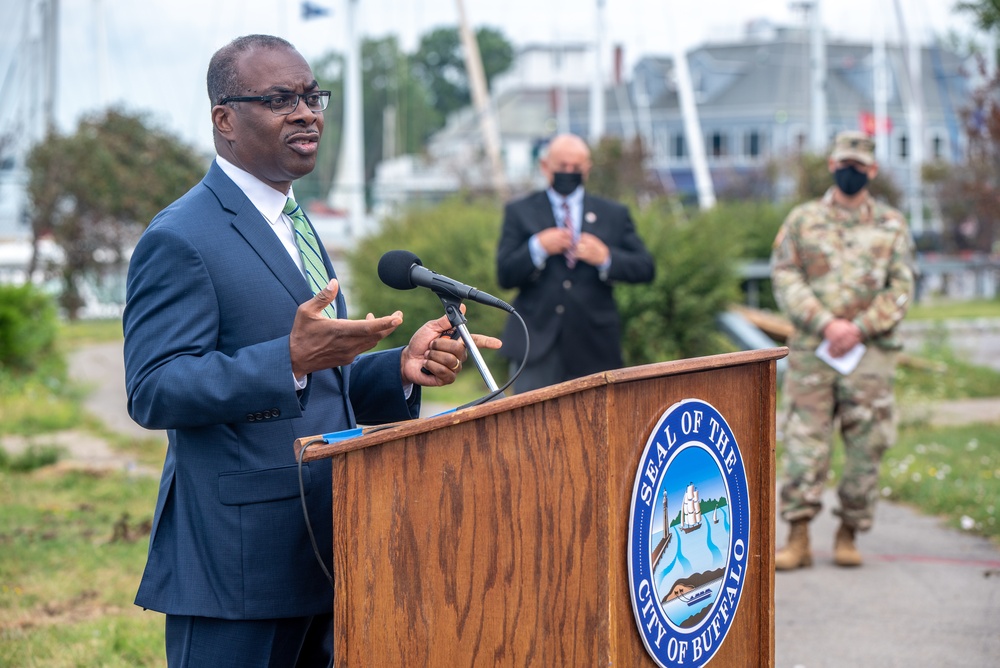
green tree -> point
(671, 318)
(967, 193)
(456, 238)
(696, 278)
(389, 91)
(619, 171)
(390, 85)
(414, 91)
(439, 65)
(985, 12)
(95, 191)
(28, 328)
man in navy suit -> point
(228, 349)
(564, 249)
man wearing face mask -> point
(564, 249)
(842, 270)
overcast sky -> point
(151, 55)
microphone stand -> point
(458, 320)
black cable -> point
(312, 536)
(305, 511)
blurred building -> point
(754, 102)
(545, 92)
(753, 97)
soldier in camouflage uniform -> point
(843, 271)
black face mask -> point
(566, 182)
(850, 180)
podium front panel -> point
(500, 537)
(477, 544)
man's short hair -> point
(223, 77)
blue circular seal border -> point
(691, 439)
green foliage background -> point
(28, 328)
(95, 190)
(697, 271)
(674, 316)
(456, 238)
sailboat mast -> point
(482, 103)
(348, 190)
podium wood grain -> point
(497, 535)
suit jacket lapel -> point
(589, 211)
(252, 226)
(542, 207)
(256, 231)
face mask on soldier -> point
(850, 180)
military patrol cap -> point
(853, 145)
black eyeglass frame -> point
(323, 96)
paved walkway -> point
(926, 596)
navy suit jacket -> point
(572, 307)
(211, 297)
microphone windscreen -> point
(394, 269)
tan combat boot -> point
(845, 553)
(795, 554)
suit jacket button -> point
(267, 415)
(567, 284)
(258, 416)
(250, 417)
(275, 412)
(560, 309)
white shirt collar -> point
(266, 199)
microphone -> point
(402, 270)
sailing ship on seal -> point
(690, 509)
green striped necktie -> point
(312, 260)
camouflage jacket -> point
(831, 262)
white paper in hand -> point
(844, 364)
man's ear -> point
(222, 119)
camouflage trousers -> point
(815, 400)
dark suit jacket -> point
(211, 296)
(572, 307)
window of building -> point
(753, 144)
(678, 147)
(718, 144)
(904, 146)
(937, 147)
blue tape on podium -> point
(337, 436)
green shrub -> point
(28, 327)
(696, 278)
(34, 457)
(755, 224)
(457, 238)
(673, 317)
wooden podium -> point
(497, 535)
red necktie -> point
(567, 222)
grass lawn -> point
(72, 546)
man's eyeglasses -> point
(285, 103)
